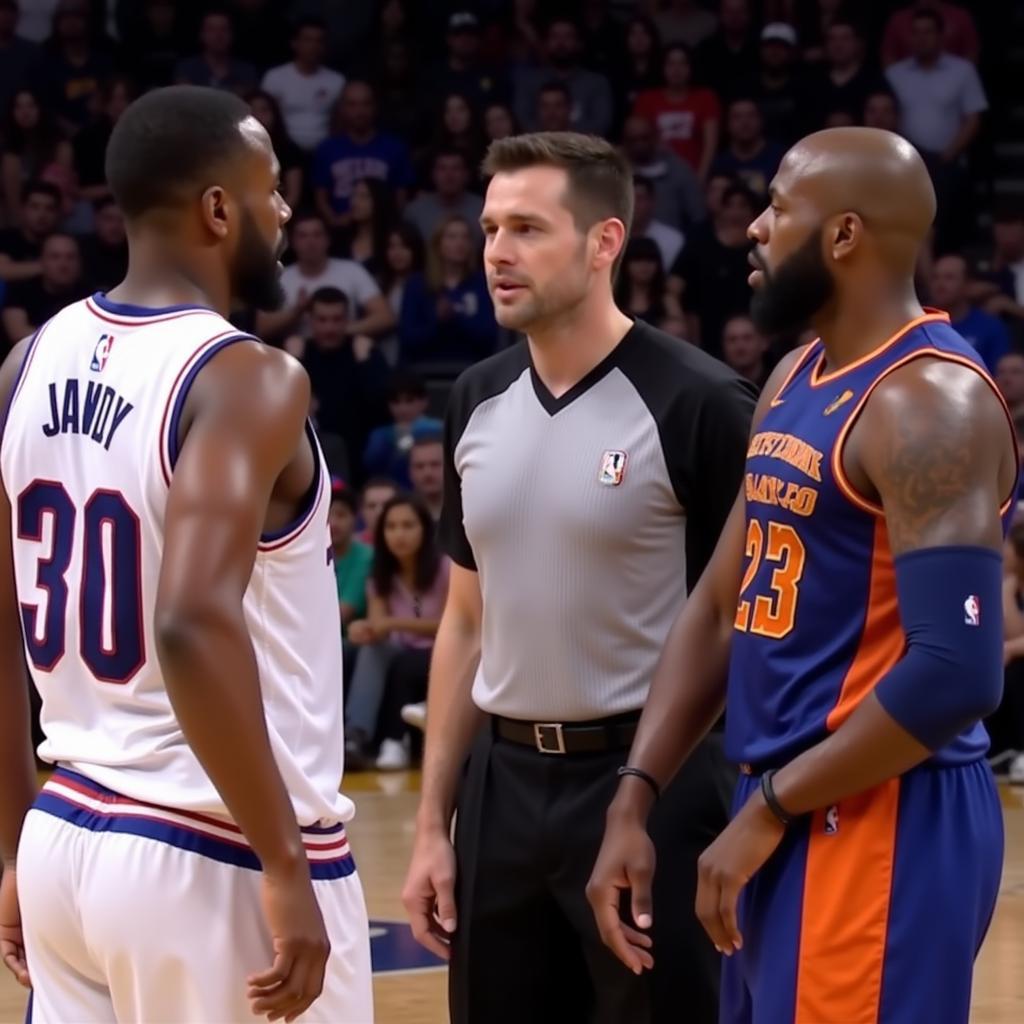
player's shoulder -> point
(488, 378)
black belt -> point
(569, 737)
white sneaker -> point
(415, 715)
(393, 756)
(1016, 773)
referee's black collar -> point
(552, 405)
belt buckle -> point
(539, 737)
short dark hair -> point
(425, 440)
(40, 188)
(406, 384)
(169, 144)
(378, 481)
(927, 14)
(738, 189)
(328, 296)
(99, 205)
(344, 496)
(450, 151)
(310, 21)
(600, 177)
(306, 214)
(555, 86)
(845, 21)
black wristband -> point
(641, 774)
(768, 792)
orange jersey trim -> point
(882, 640)
(839, 474)
(794, 370)
(844, 922)
(818, 379)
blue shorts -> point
(873, 911)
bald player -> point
(850, 622)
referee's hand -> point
(625, 863)
(429, 892)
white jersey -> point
(88, 449)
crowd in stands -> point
(380, 112)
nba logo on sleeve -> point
(613, 466)
(972, 611)
(101, 353)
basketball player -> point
(164, 568)
(853, 604)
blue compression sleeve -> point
(952, 672)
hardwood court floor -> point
(382, 837)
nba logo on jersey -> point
(101, 353)
(613, 466)
(972, 611)
(832, 820)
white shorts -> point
(144, 914)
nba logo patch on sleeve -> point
(613, 468)
(972, 610)
(101, 353)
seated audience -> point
(426, 472)
(387, 450)
(750, 155)
(34, 149)
(21, 246)
(267, 111)
(105, 251)
(450, 174)
(352, 558)
(403, 258)
(949, 291)
(30, 303)
(376, 493)
(668, 239)
(1010, 380)
(640, 291)
(215, 66)
(745, 349)
(364, 241)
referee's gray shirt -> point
(587, 516)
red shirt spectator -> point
(961, 37)
(687, 119)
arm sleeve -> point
(451, 529)
(706, 451)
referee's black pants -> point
(527, 833)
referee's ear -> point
(608, 238)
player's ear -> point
(844, 234)
(215, 210)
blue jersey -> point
(817, 624)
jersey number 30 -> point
(772, 616)
(110, 594)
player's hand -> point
(429, 892)
(291, 985)
(728, 864)
(625, 863)
(12, 946)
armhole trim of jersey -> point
(171, 420)
(277, 539)
(19, 377)
(793, 371)
(843, 482)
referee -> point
(588, 474)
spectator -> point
(592, 105)
(687, 119)
(90, 144)
(305, 90)
(459, 129)
(1001, 284)
(387, 450)
(554, 108)
(844, 82)
(1010, 379)
(34, 149)
(685, 21)
(348, 376)
(313, 269)
(451, 197)
(21, 247)
(463, 70)
(780, 88)
(678, 200)
(30, 303)
(291, 158)
(17, 54)
(959, 36)
(154, 44)
(105, 250)
(640, 68)
(447, 315)
(365, 240)
(214, 66)
(376, 493)
(881, 110)
(668, 239)
(399, 90)
(406, 595)
(359, 150)
(817, 17)
(725, 61)
(640, 291)
(713, 269)
(745, 349)
(426, 471)
(404, 257)
(352, 558)
(600, 36)
(714, 191)
(499, 122)
(941, 99)
(749, 156)
(984, 331)
(518, 38)
(72, 67)
(261, 31)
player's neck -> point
(855, 327)
(154, 281)
(566, 348)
